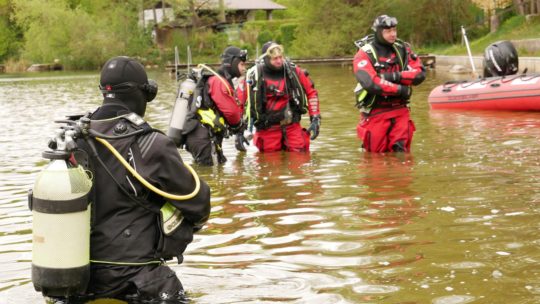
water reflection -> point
(455, 221)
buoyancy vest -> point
(367, 101)
(128, 224)
(202, 107)
(256, 111)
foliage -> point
(516, 26)
(79, 39)
(320, 36)
(205, 46)
(9, 32)
(264, 37)
(287, 34)
(85, 33)
(281, 31)
(424, 22)
(293, 9)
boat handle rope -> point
(503, 79)
(146, 183)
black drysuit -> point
(127, 244)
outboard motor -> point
(500, 59)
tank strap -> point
(59, 206)
(126, 263)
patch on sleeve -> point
(362, 63)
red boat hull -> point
(509, 93)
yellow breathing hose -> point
(146, 183)
(204, 66)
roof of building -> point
(245, 4)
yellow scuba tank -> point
(180, 110)
(61, 222)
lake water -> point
(455, 221)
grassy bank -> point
(515, 28)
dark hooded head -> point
(379, 24)
(270, 50)
(124, 80)
(230, 59)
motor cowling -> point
(180, 111)
(59, 201)
(500, 59)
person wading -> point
(385, 68)
(140, 218)
(276, 94)
(216, 111)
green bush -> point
(80, 40)
(264, 37)
(287, 34)
(205, 46)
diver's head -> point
(233, 60)
(273, 55)
(124, 79)
(385, 29)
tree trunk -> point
(141, 8)
(155, 15)
(163, 10)
(222, 11)
(520, 7)
(194, 17)
(494, 22)
(535, 8)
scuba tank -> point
(180, 110)
(193, 102)
(61, 221)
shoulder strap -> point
(225, 82)
(372, 54)
(141, 202)
(298, 93)
(402, 53)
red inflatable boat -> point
(508, 93)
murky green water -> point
(455, 221)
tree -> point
(53, 29)
(526, 7)
(320, 36)
(422, 22)
(435, 21)
(9, 32)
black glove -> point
(239, 142)
(314, 126)
(240, 127)
(394, 77)
(404, 91)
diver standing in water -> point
(276, 95)
(215, 110)
(385, 68)
(144, 217)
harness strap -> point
(126, 263)
(256, 98)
